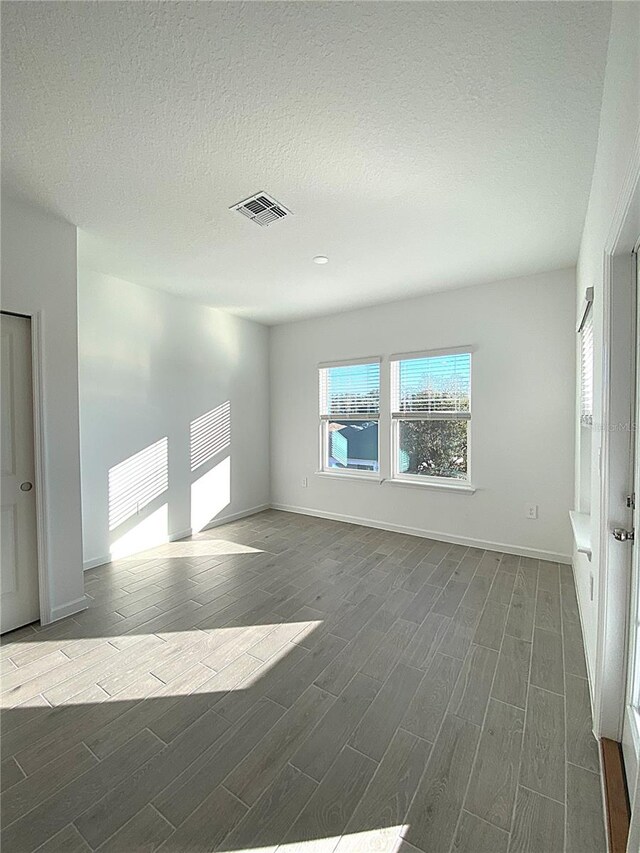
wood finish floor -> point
(294, 684)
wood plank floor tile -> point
(207, 827)
(548, 610)
(478, 836)
(10, 773)
(494, 780)
(284, 682)
(433, 816)
(386, 801)
(512, 673)
(123, 801)
(491, 626)
(326, 741)
(256, 772)
(144, 832)
(457, 639)
(543, 764)
(538, 824)
(388, 652)
(585, 824)
(68, 840)
(547, 667)
(268, 821)
(574, 658)
(325, 816)
(188, 789)
(429, 705)
(471, 693)
(385, 713)
(40, 823)
(582, 747)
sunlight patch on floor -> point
(383, 840)
(205, 548)
(266, 646)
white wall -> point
(619, 128)
(522, 442)
(151, 363)
(39, 278)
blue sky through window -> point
(436, 373)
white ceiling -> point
(421, 146)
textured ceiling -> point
(420, 146)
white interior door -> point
(631, 724)
(19, 597)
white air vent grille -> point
(262, 209)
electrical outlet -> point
(531, 510)
(305, 482)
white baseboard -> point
(68, 609)
(520, 551)
(93, 564)
(235, 516)
(184, 534)
(181, 534)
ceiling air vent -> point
(262, 209)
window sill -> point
(465, 488)
(352, 475)
(581, 524)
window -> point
(586, 368)
(349, 415)
(431, 415)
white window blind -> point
(350, 390)
(586, 370)
(432, 386)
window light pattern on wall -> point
(137, 481)
(210, 434)
(586, 370)
(431, 385)
(350, 390)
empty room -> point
(320, 377)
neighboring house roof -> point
(362, 442)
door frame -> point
(39, 453)
(616, 460)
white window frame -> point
(325, 420)
(460, 483)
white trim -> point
(68, 609)
(183, 534)
(521, 551)
(353, 474)
(430, 353)
(432, 483)
(36, 332)
(94, 563)
(581, 526)
(348, 362)
(42, 523)
(431, 416)
(590, 678)
(613, 593)
(244, 513)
